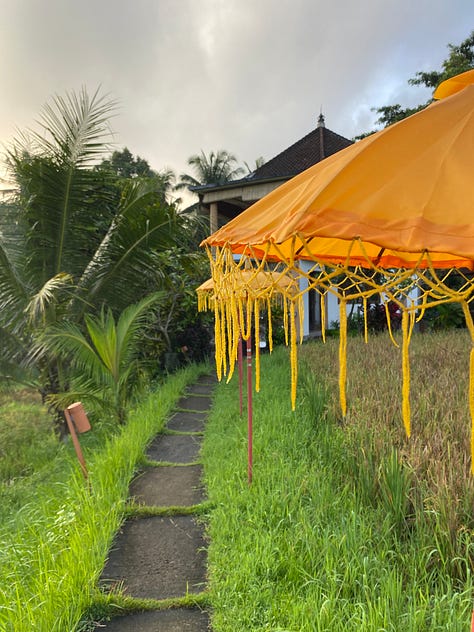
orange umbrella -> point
(391, 212)
(407, 188)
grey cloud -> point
(237, 74)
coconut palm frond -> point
(218, 167)
(13, 292)
(46, 297)
(106, 359)
(126, 253)
(76, 127)
(131, 323)
(55, 187)
(67, 341)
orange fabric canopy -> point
(391, 197)
(454, 84)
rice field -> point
(347, 525)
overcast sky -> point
(249, 76)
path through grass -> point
(56, 530)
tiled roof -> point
(312, 148)
(318, 144)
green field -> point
(347, 524)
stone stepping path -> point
(149, 571)
(187, 422)
(158, 557)
(168, 486)
(177, 449)
(181, 620)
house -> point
(224, 202)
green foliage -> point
(176, 326)
(104, 363)
(446, 316)
(54, 543)
(125, 165)
(216, 168)
(311, 548)
(460, 59)
(72, 235)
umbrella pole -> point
(240, 362)
(249, 408)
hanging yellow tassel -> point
(257, 344)
(234, 335)
(270, 325)
(285, 319)
(300, 309)
(248, 319)
(342, 355)
(217, 340)
(223, 338)
(406, 412)
(293, 355)
(322, 303)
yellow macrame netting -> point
(241, 288)
(239, 295)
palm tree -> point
(217, 168)
(71, 240)
(105, 359)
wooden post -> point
(76, 444)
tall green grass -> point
(320, 542)
(437, 456)
(53, 546)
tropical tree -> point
(123, 166)
(217, 168)
(71, 241)
(104, 359)
(259, 162)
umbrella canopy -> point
(407, 188)
(391, 214)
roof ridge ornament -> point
(321, 121)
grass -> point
(333, 535)
(56, 533)
(24, 425)
(437, 456)
(347, 525)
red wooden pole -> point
(249, 408)
(241, 370)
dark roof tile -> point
(318, 144)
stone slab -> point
(179, 449)
(210, 378)
(200, 389)
(187, 422)
(179, 620)
(157, 558)
(165, 486)
(201, 403)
